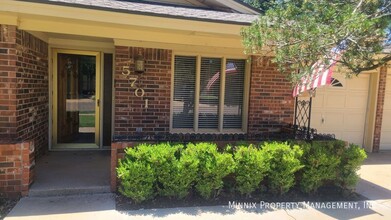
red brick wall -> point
(16, 168)
(24, 108)
(32, 90)
(271, 102)
(130, 112)
(24, 85)
(379, 108)
(8, 103)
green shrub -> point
(136, 173)
(321, 164)
(172, 170)
(141, 152)
(251, 167)
(213, 167)
(351, 160)
(284, 162)
(174, 176)
(137, 179)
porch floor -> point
(72, 172)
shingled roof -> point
(155, 10)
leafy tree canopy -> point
(299, 33)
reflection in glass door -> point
(77, 100)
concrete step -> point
(68, 191)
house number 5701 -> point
(138, 92)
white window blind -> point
(209, 93)
(234, 91)
(184, 90)
(202, 83)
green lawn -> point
(86, 120)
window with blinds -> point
(209, 93)
(234, 92)
(218, 109)
(184, 90)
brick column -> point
(379, 108)
(16, 168)
(8, 69)
(24, 108)
(24, 88)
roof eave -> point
(136, 12)
(240, 6)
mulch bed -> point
(330, 193)
(6, 206)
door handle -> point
(323, 120)
(98, 102)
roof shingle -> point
(157, 10)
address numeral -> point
(125, 71)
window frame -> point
(246, 94)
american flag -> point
(230, 69)
(321, 73)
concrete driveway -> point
(375, 185)
(375, 176)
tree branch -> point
(358, 6)
(357, 70)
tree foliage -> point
(298, 33)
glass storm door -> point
(76, 100)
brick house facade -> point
(24, 107)
(130, 112)
(28, 48)
(271, 103)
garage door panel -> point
(386, 142)
(341, 78)
(387, 102)
(342, 108)
(358, 83)
(318, 102)
(316, 119)
(388, 88)
(335, 101)
(353, 137)
(333, 119)
(385, 138)
(356, 100)
(355, 122)
(386, 125)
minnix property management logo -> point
(299, 205)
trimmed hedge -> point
(251, 168)
(175, 170)
(284, 162)
(213, 167)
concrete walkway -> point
(375, 185)
(89, 206)
(72, 172)
(375, 176)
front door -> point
(76, 99)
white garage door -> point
(340, 108)
(385, 139)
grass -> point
(86, 120)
